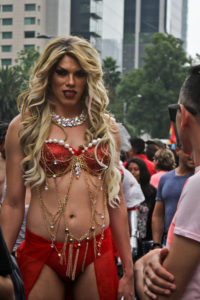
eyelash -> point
(79, 74)
(61, 72)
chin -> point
(185, 143)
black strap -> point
(6, 266)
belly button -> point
(71, 216)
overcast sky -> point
(193, 42)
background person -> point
(66, 148)
(168, 194)
(164, 161)
(144, 211)
(150, 151)
(138, 150)
(158, 144)
(183, 260)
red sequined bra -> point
(58, 158)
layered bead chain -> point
(52, 220)
(67, 146)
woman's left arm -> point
(121, 237)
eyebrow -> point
(60, 67)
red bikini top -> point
(58, 158)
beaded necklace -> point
(69, 122)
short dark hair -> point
(150, 151)
(138, 145)
(190, 90)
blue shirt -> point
(169, 190)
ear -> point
(185, 117)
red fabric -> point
(106, 276)
(132, 208)
(149, 164)
(54, 152)
(35, 251)
(172, 135)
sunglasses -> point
(173, 110)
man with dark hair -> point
(183, 260)
(138, 150)
(158, 144)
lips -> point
(69, 93)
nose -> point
(70, 80)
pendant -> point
(77, 169)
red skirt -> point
(35, 251)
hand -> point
(126, 288)
(157, 280)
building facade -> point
(31, 24)
(112, 30)
(101, 22)
(26, 24)
(117, 28)
(86, 20)
(143, 18)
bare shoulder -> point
(12, 136)
(16, 122)
(14, 126)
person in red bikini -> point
(66, 148)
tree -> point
(25, 63)
(111, 76)
(148, 91)
(14, 80)
(10, 84)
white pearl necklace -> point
(67, 146)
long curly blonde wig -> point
(36, 106)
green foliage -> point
(147, 92)
(111, 76)
(10, 83)
(14, 80)
(25, 63)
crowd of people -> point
(80, 206)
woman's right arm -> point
(12, 211)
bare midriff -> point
(78, 206)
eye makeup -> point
(63, 72)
